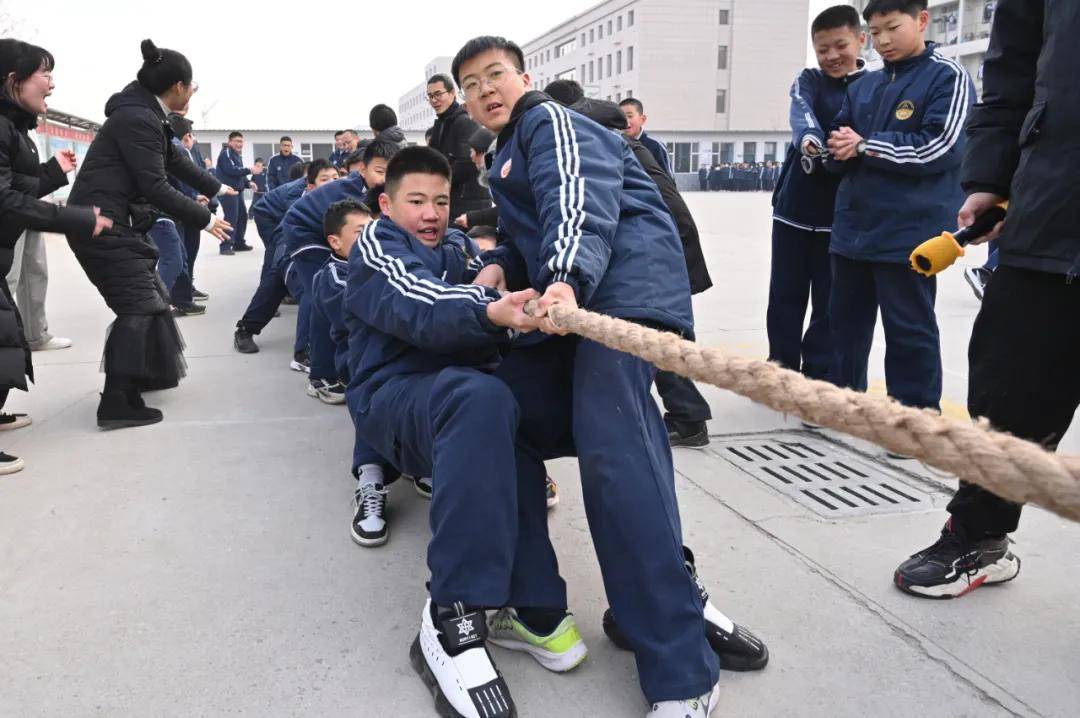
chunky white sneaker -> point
(699, 707)
(560, 651)
(51, 344)
(326, 392)
(10, 464)
(452, 659)
(369, 522)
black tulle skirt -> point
(143, 343)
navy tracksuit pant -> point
(268, 295)
(578, 398)
(912, 345)
(457, 426)
(170, 248)
(801, 274)
(265, 229)
(298, 277)
(235, 214)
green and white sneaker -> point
(560, 651)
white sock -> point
(370, 474)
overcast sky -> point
(319, 67)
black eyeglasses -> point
(437, 95)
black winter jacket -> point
(451, 134)
(23, 180)
(1024, 137)
(609, 115)
(125, 173)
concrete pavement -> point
(203, 566)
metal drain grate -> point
(828, 479)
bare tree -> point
(12, 25)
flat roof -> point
(64, 118)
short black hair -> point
(380, 148)
(481, 140)
(415, 160)
(371, 199)
(298, 170)
(382, 117)
(258, 160)
(352, 132)
(285, 138)
(179, 125)
(355, 157)
(482, 44)
(161, 68)
(339, 133)
(316, 167)
(235, 133)
(565, 92)
(483, 230)
(444, 79)
(635, 103)
(884, 7)
(836, 17)
(23, 59)
(338, 212)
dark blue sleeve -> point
(804, 121)
(229, 169)
(396, 294)
(577, 185)
(302, 224)
(938, 145)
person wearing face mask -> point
(126, 173)
(27, 80)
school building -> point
(961, 28)
(713, 75)
(414, 112)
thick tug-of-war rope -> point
(1012, 468)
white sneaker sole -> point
(976, 285)
(1001, 571)
(297, 366)
(17, 424)
(369, 542)
(554, 662)
(12, 467)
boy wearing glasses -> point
(586, 226)
(450, 136)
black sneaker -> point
(422, 484)
(369, 526)
(955, 565)
(244, 341)
(199, 296)
(9, 422)
(450, 654)
(688, 436)
(190, 310)
(245, 247)
(737, 648)
(226, 250)
(301, 362)
(10, 464)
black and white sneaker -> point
(552, 491)
(954, 566)
(8, 422)
(977, 278)
(10, 464)
(369, 522)
(301, 362)
(737, 648)
(326, 392)
(451, 656)
(199, 296)
(422, 484)
(687, 436)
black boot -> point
(119, 410)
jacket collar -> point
(19, 116)
(909, 63)
(528, 101)
(451, 112)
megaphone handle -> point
(983, 224)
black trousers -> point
(1024, 364)
(801, 272)
(683, 403)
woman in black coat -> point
(26, 72)
(125, 173)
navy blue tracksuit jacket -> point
(579, 208)
(902, 191)
(329, 334)
(277, 170)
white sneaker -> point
(452, 659)
(52, 343)
(699, 707)
(326, 392)
(560, 651)
(10, 464)
(9, 422)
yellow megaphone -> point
(939, 253)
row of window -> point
(613, 26)
(689, 157)
(596, 70)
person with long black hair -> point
(26, 77)
(126, 174)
